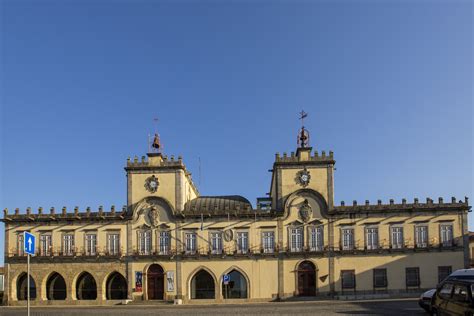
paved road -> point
(379, 307)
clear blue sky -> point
(387, 84)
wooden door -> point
(155, 283)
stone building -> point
(169, 242)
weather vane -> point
(303, 135)
(155, 144)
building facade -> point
(169, 242)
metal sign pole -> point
(28, 285)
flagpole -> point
(28, 285)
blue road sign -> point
(226, 279)
(29, 243)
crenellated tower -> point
(304, 169)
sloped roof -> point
(218, 205)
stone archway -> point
(237, 286)
(203, 285)
(21, 287)
(155, 282)
(56, 287)
(306, 279)
(116, 287)
(86, 287)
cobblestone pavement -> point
(376, 307)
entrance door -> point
(306, 279)
(155, 282)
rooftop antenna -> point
(199, 180)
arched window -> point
(237, 286)
(86, 288)
(116, 287)
(202, 286)
(56, 287)
(306, 279)
(21, 286)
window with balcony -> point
(296, 239)
(316, 238)
(190, 243)
(347, 236)
(396, 237)
(216, 242)
(113, 244)
(45, 244)
(91, 244)
(372, 238)
(412, 277)
(68, 244)
(446, 231)
(268, 241)
(421, 236)
(144, 242)
(242, 242)
(164, 240)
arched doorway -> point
(56, 287)
(116, 287)
(86, 288)
(306, 275)
(21, 286)
(203, 286)
(155, 280)
(237, 286)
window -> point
(165, 242)
(216, 242)
(460, 293)
(91, 244)
(45, 244)
(1, 283)
(347, 238)
(446, 231)
(380, 278)
(21, 245)
(372, 237)
(296, 239)
(268, 242)
(412, 277)
(421, 236)
(348, 279)
(443, 273)
(446, 290)
(190, 243)
(144, 242)
(396, 237)
(242, 242)
(316, 239)
(113, 243)
(68, 244)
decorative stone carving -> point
(151, 184)
(303, 177)
(228, 235)
(305, 211)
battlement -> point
(145, 162)
(64, 214)
(403, 206)
(316, 157)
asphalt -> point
(372, 307)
